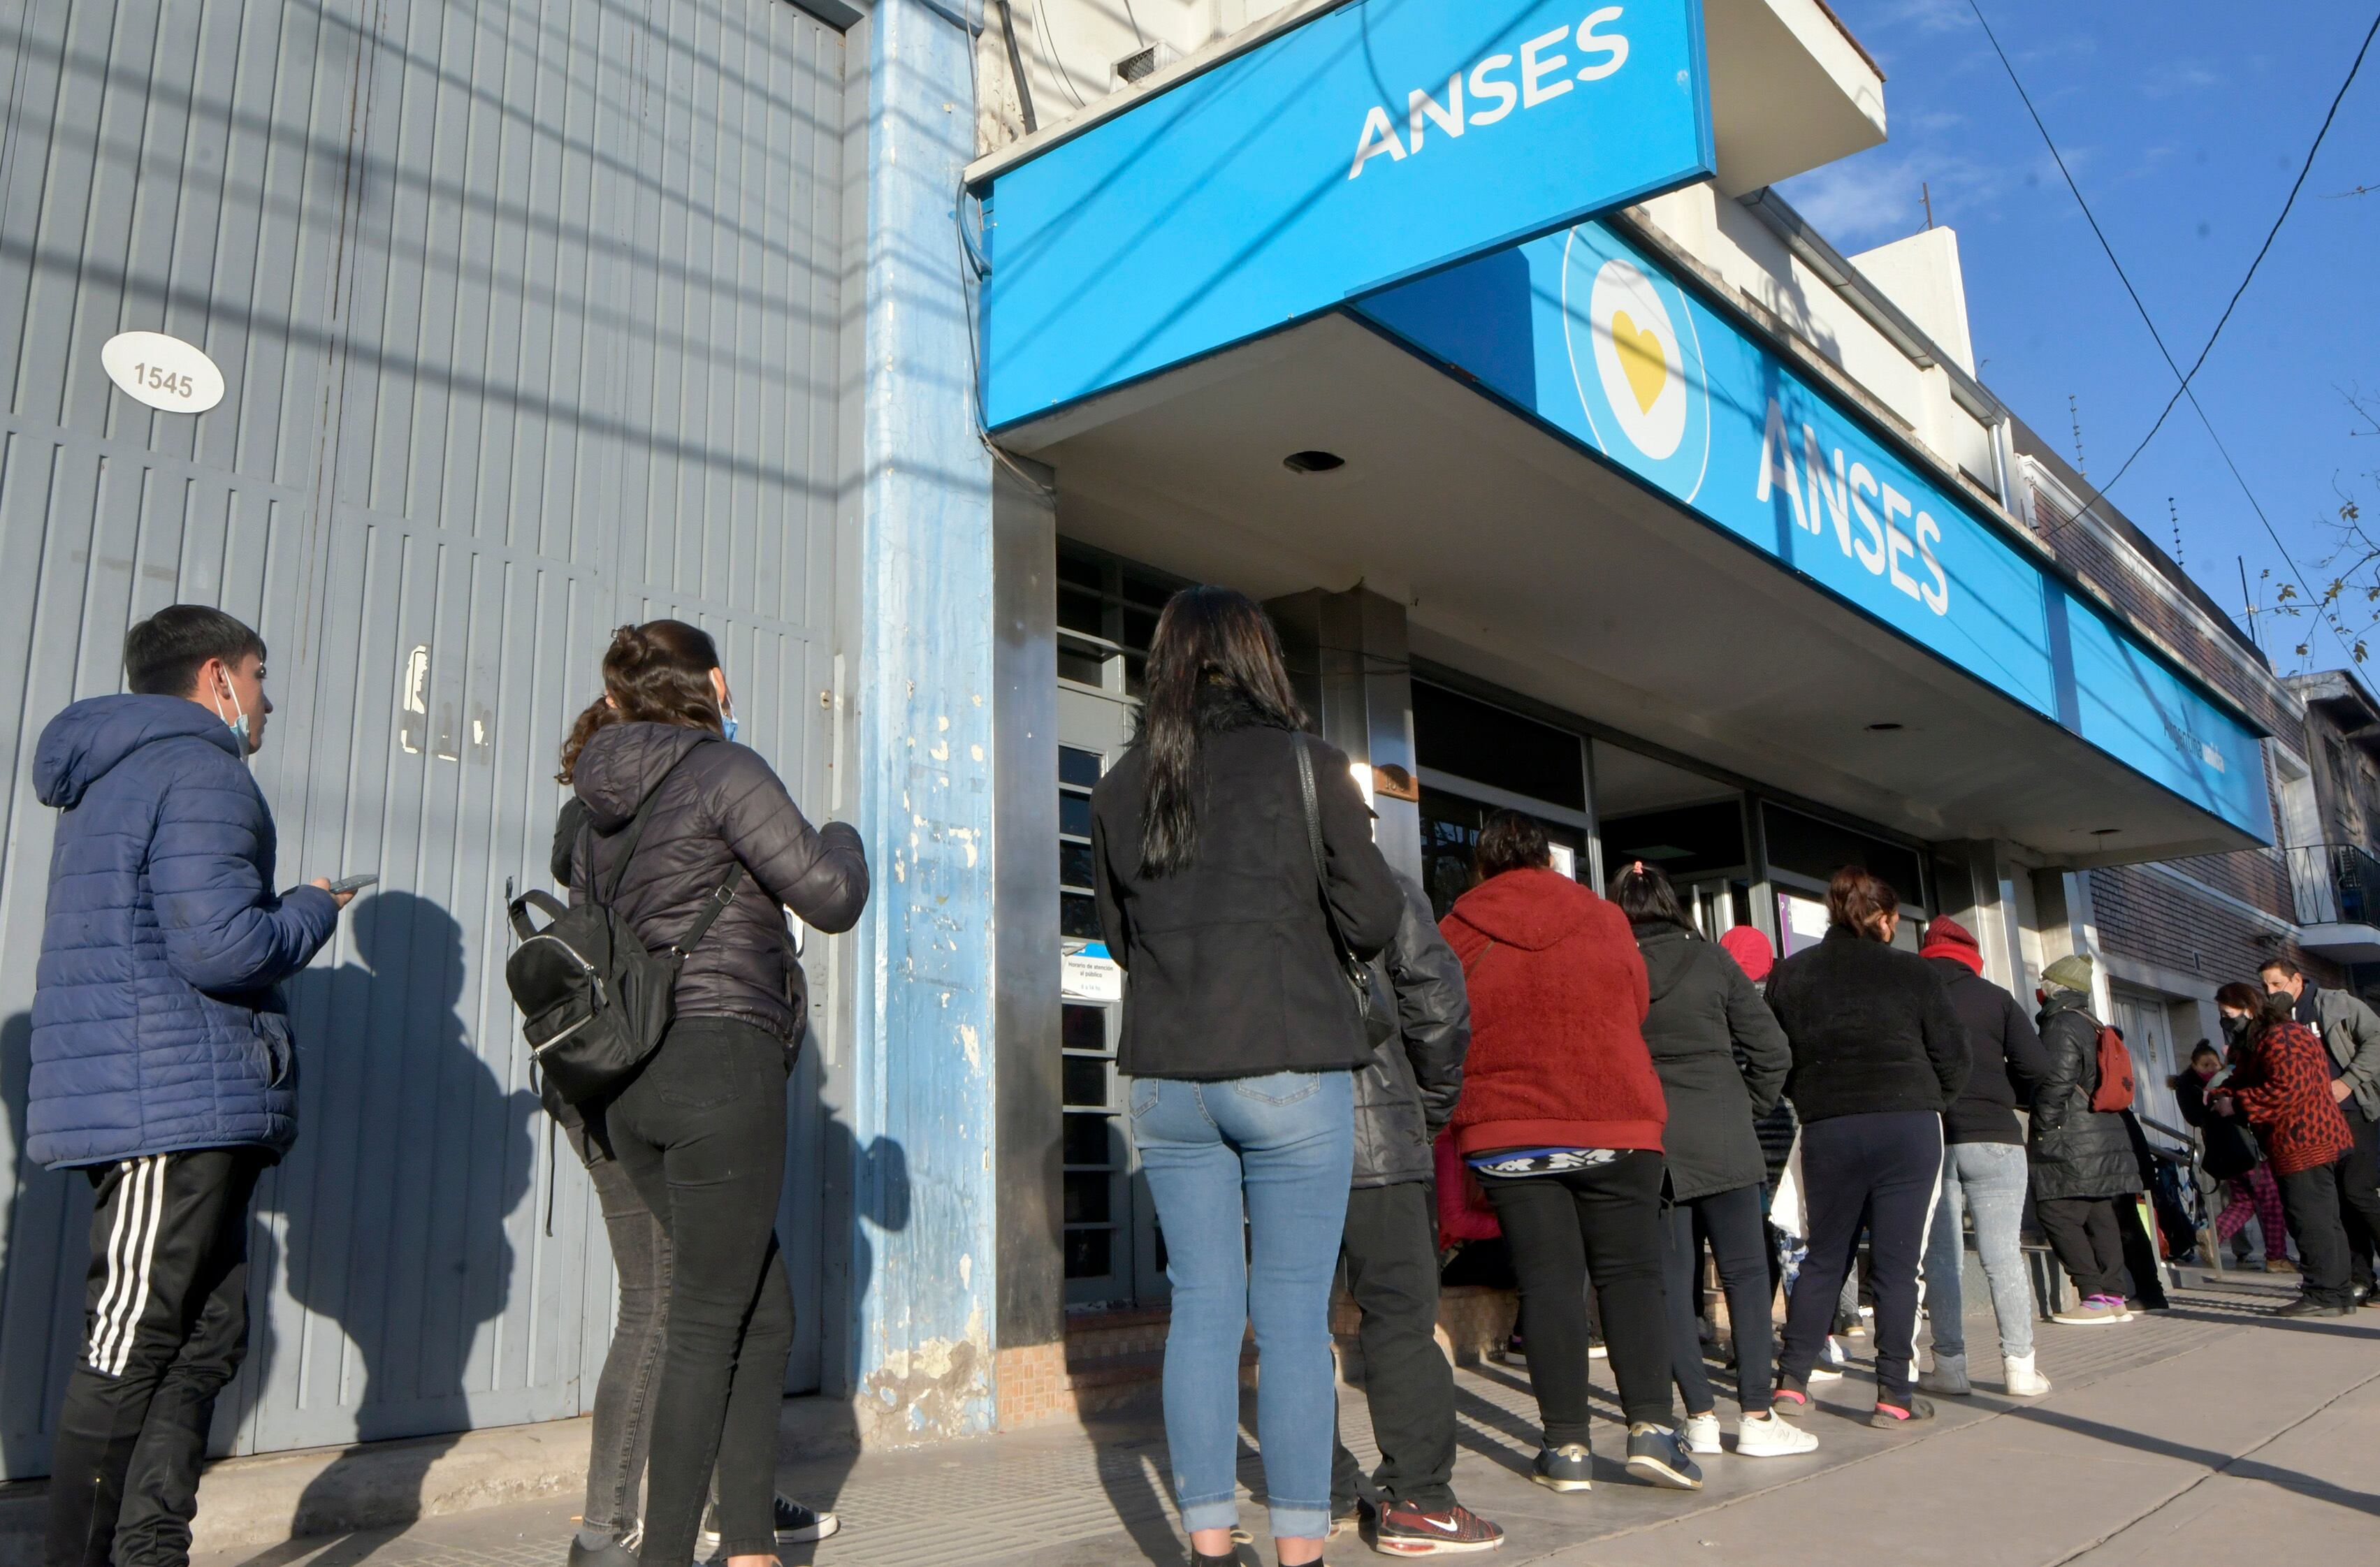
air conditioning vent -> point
(1146, 62)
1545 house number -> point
(164, 372)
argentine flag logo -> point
(1636, 362)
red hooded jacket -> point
(1557, 1002)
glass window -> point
(1088, 1253)
(1085, 1028)
(1087, 1080)
(1086, 1141)
(1082, 612)
(1089, 1197)
(1073, 864)
(1075, 815)
(1079, 768)
(1470, 739)
(1817, 849)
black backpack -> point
(594, 1002)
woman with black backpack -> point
(686, 833)
(1236, 871)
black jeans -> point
(2359, 1193)
(1739, 1240)
(1390, 1252)
(2309, 1201)
(701, 1133)
(1608, 1218)
(623, 1394)
(1881, 1170)
(165, 1323)
(2084, 1233)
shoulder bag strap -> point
(1313, 841)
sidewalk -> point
(2210, 1434)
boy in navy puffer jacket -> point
(162, 1064)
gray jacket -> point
(1407, 1094)
(2351, 1029)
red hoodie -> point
(1557, 1002)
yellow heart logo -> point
(1641, 357)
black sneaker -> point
(1403, 1529)
(796, 1524)
(620, 1552)
(1893, 1416)
(2315, 1305)
(1792, 1398)
(1570, 1467)
(1657, 1457)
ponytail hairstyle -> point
(1207, 639)
(1857, 899)
(1645, 895)
(657, 673)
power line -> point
(2099, 493)
(2270, 235)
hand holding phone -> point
(344, 890)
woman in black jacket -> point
(700, 1131)
(1878, 1054)
(1722, 1060)
(1241, 1036)
(2082, 1158)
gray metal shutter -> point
(528, 316)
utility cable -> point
(2098, 493)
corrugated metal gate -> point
(528, 313)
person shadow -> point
(388, 1224)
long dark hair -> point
(657, 673)
(1207, 639)
(2264, 1007)
(1645, 895)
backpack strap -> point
(539, 899)
(715, 906)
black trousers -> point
(1607, 1218)
(1880, 1170)
(2310, 1201)
(1389, 1250)
(701, 1132)
(2084, 1233)
(164, 1324)
(2359, 1193)
(1739, 1240)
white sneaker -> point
(1700, 1433)
(1765, 1436)
(1830, 1360)
(2022, 1379)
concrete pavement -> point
(2212, 1434)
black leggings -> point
(1740, 1241)
(1607, 1218)
(1882, 1170)
(701, 1132)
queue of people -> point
(1297, 1035)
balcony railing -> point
(2334, 884)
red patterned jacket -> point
(2283, 1085)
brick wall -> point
(2154, 919)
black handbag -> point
(594, 1002)
(1373, 1009)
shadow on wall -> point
(410, 1157)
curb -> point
(267, 1499)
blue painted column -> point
(922, 1086)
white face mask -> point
(238, 722)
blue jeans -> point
(1283, 1145)
(1986, 1180)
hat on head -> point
(1750, 948)
(2072, 972)
(1947, 938)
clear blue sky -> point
(2184, 121)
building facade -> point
(532, 320)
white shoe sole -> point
(706, 1546)
(1660, 1474)
(1551, 1484)
(1759, 1452)
(2093, 1321)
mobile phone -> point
(353, 883)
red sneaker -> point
(1405, 1530)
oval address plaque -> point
(162, 371)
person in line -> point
(1562, 1120)
(2282, 1084)
(700, 1131)
(1722, 1061)
(2228, 1153)
(1405, 1097)
(2083, 1172)
(2350, 1030)
(1242, 1036)
(609, 1531)
(1983, 1172)
(1878, 1054)
(162, 1065)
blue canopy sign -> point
(1594, 337)
(1376, 141)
